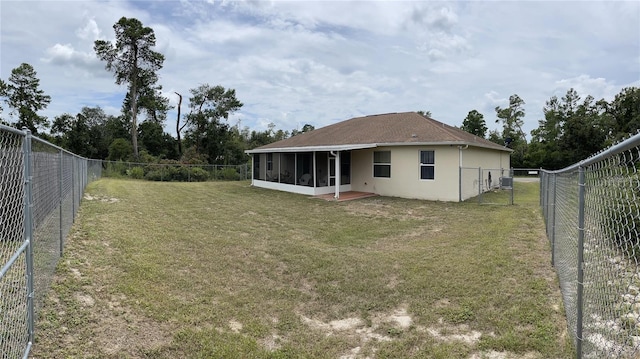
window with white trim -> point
(427, 165)
(382, 164)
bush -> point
(163, 173)
(155, 175)
(114, 169)
(228, 174)
(136, 172)
(199, 175)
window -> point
(382, 164)
(269, 161)
(427, 165)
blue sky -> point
(320, 62)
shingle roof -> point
(386, 129)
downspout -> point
(460, 172)
(336, 154)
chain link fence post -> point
(580, 283)
(61, 199)
(73, 192)
(553, 221)
(513, 183)
(28, 232)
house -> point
(397, 154)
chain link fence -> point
(486, 185)
(592, 216)
(41, 186)
(179, 172)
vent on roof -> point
(414, 135)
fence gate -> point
(486, 185)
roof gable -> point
(386, 129)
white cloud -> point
(90, 31)
(586, 85)
(317, 62)
(60, 54)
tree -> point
(545, 140)
(132, 61)
(583, 134)
(208, 105)
(474, 123)
(424, 113)
(623, 114)
(306, 128)
(157, 142)
(150, 99)
(512, 118)
(120, 150)
(570, 131)
(3, 90)
(24, 96)
(179, 128)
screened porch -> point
(303, 172)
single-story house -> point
(397, 154)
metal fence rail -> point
(592, 216)
(41, 186)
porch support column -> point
(313, 170)
(337, 195)
(253, 167)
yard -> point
(224, 270)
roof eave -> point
(373, 145)
(312, 148)
(447, 143)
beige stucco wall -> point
(405, 173)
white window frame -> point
(388, 164)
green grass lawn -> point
(224, 270)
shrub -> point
(162, 173)
(228, 174)
(136, 172)
(154, 175)
(199, 175)
(114, 169)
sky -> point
(320, 62)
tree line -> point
(573, 126)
